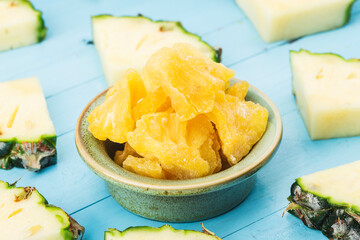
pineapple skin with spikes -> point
(328, 201)
(32, 156)
(27, 134)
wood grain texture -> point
(71, 75)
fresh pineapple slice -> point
(20, 24)
(128, 42)
(283, 19)
(163, 233)
(27, 134)
(327, 93)
(329, 201)
(28, 212)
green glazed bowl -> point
(179, 200)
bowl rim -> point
(109, 175)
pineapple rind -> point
(14, 154)
(333, 217)
(30, 141)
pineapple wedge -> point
(163, 233)
(289, 19)
(329, 201)
(21, 24)
(25, 214)
(128, 42)
(327, 93)
(27, 134)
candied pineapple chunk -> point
(180, 119)
(201, 135)
(153, 102)
(120, 156)
(238, 89)
(112, 119)
(182, 149)
(144, 167)
(240, 125)
(190, 79)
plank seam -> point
(223, 26)
(74, 86)
(87, 206)
(254, 222)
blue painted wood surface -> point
(71, 75)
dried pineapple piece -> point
(120, 156)
(238, 89)
(145, 167)
(180, 147)
(240, 125)
(201, 135)
(190, 79)
(153, 102)
(112, 119)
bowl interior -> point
(94, 153)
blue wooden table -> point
(71, 75)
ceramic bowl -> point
(179, 200)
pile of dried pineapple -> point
(179, 120)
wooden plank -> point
(65, 107)
(274, 181)
(239, 41)
(274, 227)
(71, 76)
